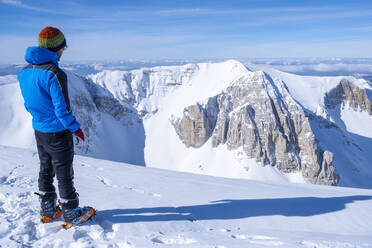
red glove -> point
(79, 133)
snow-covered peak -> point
(146, 87)
(309, 91)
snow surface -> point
(358, 122)
(15, 122)
(146, 207)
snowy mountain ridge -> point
(125, 115)
(147, 86)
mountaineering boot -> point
(73, 214)
(49, 211)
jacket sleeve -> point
(59, 95)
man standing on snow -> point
(45, 92)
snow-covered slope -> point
(15, 122)
(106, 131)
(146, 207)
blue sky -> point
(143, 29)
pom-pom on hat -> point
(52, 38)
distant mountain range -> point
(229, 119)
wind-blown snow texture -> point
(146, 207)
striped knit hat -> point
(52, 38)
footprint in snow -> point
(155, 194)
(141, 191)
(81, 235)
(85, 165)
(13, 180)
(239, 236)
(106, 182)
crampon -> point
(57, 214)
(84, 214)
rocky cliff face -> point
(99, 114)
(350, 94)
(261, 117)
(135, 89)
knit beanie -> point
(52, 38)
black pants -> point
(56, 153)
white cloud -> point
(14, 2)
(130, 45)
(20, 4)
(327, 69)
(201, 11)
(297, 49)
(364, 28)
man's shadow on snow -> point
(232, 209)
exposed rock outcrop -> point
(111, 106)
(198, 123)
(261, 117)
(348, 93)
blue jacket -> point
(44, 90)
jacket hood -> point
(39, 55)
